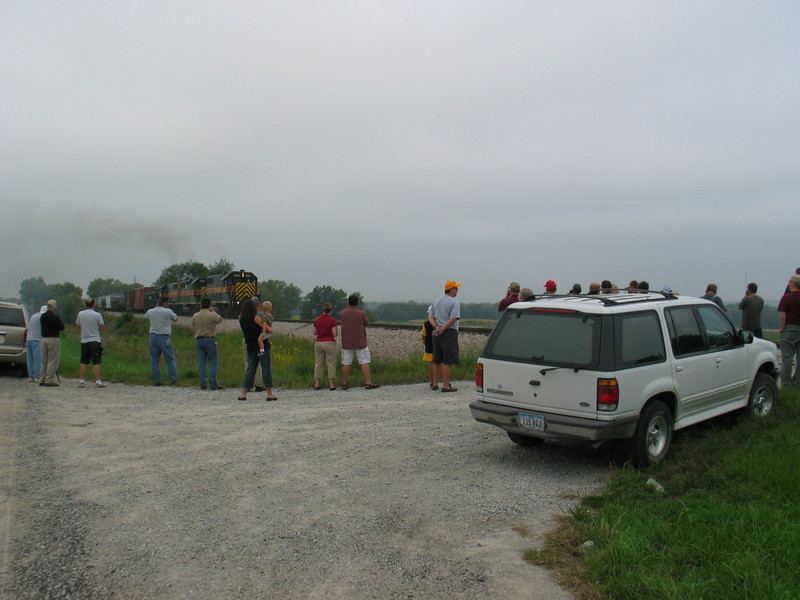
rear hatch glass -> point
(547, 336)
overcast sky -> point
(386, 147)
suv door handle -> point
(719, 359)
(678, 368)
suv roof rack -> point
(622, 297)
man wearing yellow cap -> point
(444, 315)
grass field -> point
(726, 527)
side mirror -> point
(745, 337)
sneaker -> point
(81, 383)
(99, 384)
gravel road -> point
(134, 492)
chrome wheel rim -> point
(657, 436)
(762, 401)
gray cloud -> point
(388, 147)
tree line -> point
(288, 300)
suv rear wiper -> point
(546, 369)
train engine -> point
(225, 290)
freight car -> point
(141, 299)
(113, 302)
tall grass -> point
(126, 358)
(727, 526)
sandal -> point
(271, 398)
(449, 389)
(345, 387)
(433, 387)
(242, 398)
(371, 386)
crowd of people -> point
(751, 305)
(439, 337)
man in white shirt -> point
(161, 319)
(91, 324)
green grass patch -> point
(126, 358)
(726, 527)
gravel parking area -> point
(134, 492)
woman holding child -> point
(254, 328)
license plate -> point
(534, 422)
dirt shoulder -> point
(165, 493)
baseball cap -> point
(52, 303)
(450, 284)
(550, 285)
(795, 279)
(513, 286)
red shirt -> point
(324, 325)
(354, 328)
(506, 301)
(790, 304)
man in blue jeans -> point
(789, 313)
(161, 319)
(205, 323)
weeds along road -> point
(170, 493)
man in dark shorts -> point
(91, 324)
(444, 315)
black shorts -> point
(445, 348)
(91, 352)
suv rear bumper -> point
(556, 426)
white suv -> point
(619, 366)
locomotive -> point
(226, 291)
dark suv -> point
(624, 366)
(13, 334)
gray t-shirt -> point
(161, 319)
(445, 308)
(89, 321)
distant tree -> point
(285, 297)
(102, 287)
(479, 310)
(68, 297)
(33, 293)
(401, 312)
(312, 303)
(221, 266)
(181, 271)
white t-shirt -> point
(89, 321)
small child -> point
(266, 326)
(427, 356)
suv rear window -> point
(547, 336)
(12, 317)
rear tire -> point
(763, 396)
(653, 436)
(524, 440)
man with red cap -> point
(550, 287)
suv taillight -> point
(479, 377)
(607, 395)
